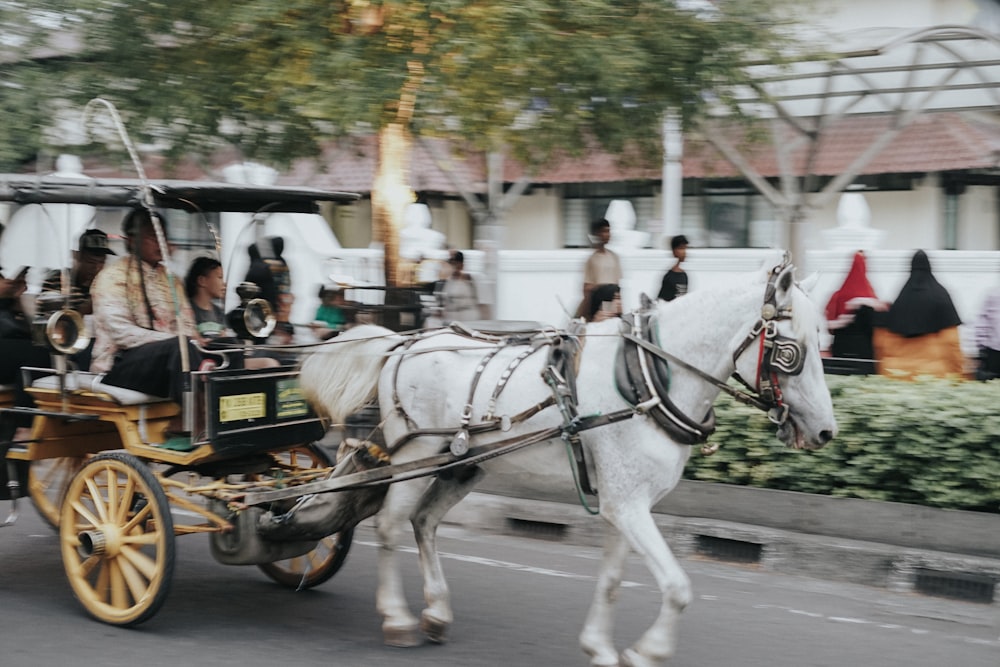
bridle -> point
(777, 355)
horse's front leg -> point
(399, 626)
(659, 642)
(443, 494)
(596, 638)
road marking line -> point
(507, 565)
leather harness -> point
(642, 377)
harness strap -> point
(497, 424)
(505, 376)
(743, 397)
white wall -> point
(535, 221)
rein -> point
(776, 355)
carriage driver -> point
(136, 319)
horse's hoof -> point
(434, 628)
(406, 637)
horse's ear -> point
(783, 285)
(645, 303)
(809, 283)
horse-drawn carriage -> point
(612, 410)
(95, 463)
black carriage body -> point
(251, 411)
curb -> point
(971, 578)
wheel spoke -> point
(126, 501)
(98, 499)
(119, 598)
(136, 584)
(142, 539)
(85, 514)
(102, 587)
(139, 561)
(139, 517)
(88, 565)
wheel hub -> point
(103, 542)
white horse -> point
(425, 384)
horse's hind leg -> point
(443, 494)
(659, 642)
(596, 639)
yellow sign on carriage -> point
(242, 406)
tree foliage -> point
(278, 78)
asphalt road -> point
(518, 601)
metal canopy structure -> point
(944, 68)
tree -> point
(529, 78)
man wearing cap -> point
(88, 260)
(675, 281)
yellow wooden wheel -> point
(48, 480)
(317, 566)
(117, 539)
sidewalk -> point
(973, 577)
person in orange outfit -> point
(919, 333)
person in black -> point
(269, 271)
(16, 346)
(675, 281)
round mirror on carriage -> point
(60, 329)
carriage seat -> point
(91, 383)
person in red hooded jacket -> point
(850, 315)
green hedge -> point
(929, 442)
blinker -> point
(787, 355)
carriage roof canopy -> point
(187, 195)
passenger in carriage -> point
(16, 346)
(605, 303)
(138, 315)
(88, 260)
(269, 271)
(205, 287)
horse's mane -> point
(806, 318)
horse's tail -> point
(343, 377)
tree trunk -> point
(391, 194)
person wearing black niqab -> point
(919, 333)
(923, 305)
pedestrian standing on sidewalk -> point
(675, 281)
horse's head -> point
(780, 359)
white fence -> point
(543, 285)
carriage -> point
(611, 410)
(95, 465)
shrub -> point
(929, 442)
